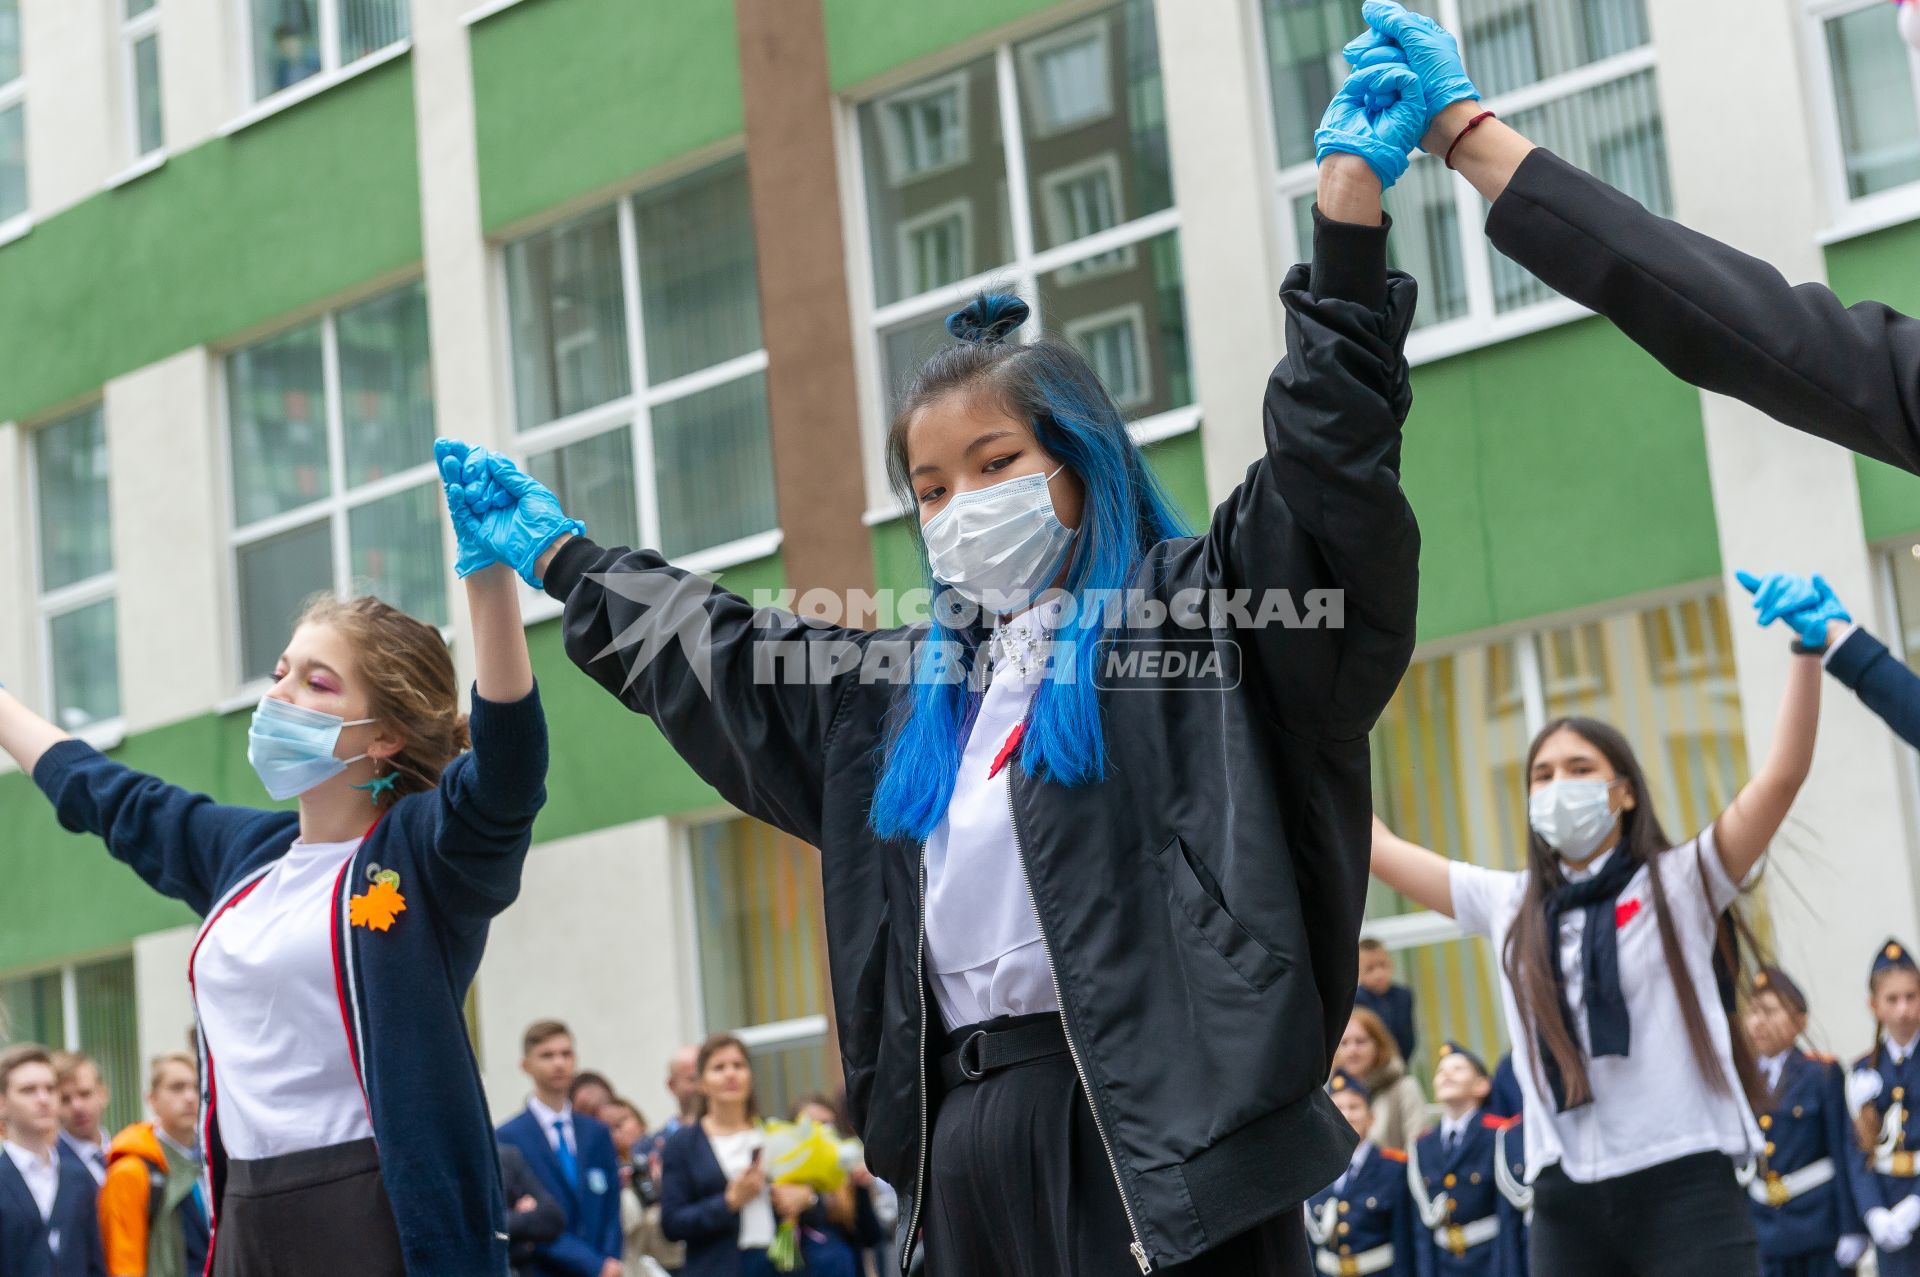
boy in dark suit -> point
(47, 1223)
(1450, 1172)
(1393, 1003)
(573, 1157)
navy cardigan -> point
(458, 850)
(1884, 683)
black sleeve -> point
(1883, 683)
(748, 698)
(1320, 519)
(1716, 317)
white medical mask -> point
(1002, 541)
(1572, 816)
(291, 747)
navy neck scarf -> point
(1609, 1029)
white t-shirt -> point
(1651, 1106)
(270, 1008)
(735, 1153)
(984, 948)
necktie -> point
(569, 1164)
(1452, 1140)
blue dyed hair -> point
(1049, 385)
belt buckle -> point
(1457, 1240)
(1349, 1266)
(1777, 1194)
(970, 1070)
(1903, 1165)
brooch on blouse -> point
(377, 906)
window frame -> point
(895, 145)
(634, 409)
(1134, 315)
(258, 104)
(336, 507)
(960, 210)
(1021, 272)
(1029, 53)
(1483, 324)
(772, 1035)
(1052, 184)
(50, 605)
(13, 93)
(1846, 216)
(132, 31)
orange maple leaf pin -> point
(376, 908)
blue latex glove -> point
(1428, 48)
(1806, 604)
(499, 514)
(1378, 115)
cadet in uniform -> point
(1364, 1223)
(1450, 1174)
(1802, 1203)
(1880, 1091)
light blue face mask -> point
(291, 747)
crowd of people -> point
(1087, 1022)
(591, 1189)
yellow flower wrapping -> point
(804, 1153)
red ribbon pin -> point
(1623, 913)
(1006, 750)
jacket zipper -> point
(1139, 1252)
(920, 981)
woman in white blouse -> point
(1616, 970)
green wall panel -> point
(608, 766)
(866, 38)
(573, 95)
(233, 233)
(1882, 267)
(1552, 472)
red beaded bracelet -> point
(1461, 136)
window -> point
(140, 62)
(761, 932)
(74, 529)
(1575, 75)
(1872, 78)
(91, 1008)
(13, 122)
(925, 129)
(639, 376)
(1066, 78)
(295, 40)
(1062, 192)
(1449, 759)
(330, 435)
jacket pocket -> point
(1198, 896)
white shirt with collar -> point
(548, 1118)
(1772, 1066)
(984, 947)
(42, 1173)
(1453, 1129)
(1899, 1052)
(92, 1154)
(1653, 1105)
(1353, 1165)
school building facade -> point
(674, 257)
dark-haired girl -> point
(1616, 972)
(1091, 944)
(1881, 1089)
(342, 1116)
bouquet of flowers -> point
(810, 1155)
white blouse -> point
(265, 990)
(1654, 1105)
(735, 1153)
(984, 949)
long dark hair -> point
(1530, 953)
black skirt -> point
(318, 1213)
(1020, 1186)
(1679, 1219)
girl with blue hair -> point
(1091, 933)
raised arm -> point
(1714, 316)
(1422, 876)
(1746, 828)
(748, 698)
(24, 734)
(1320, 518)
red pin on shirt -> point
(1623, 913)
(1006, 750)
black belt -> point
(980, 1050)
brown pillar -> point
(813, 393)
(812, 388)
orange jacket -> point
(124, 1198)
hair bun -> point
(988, 318)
